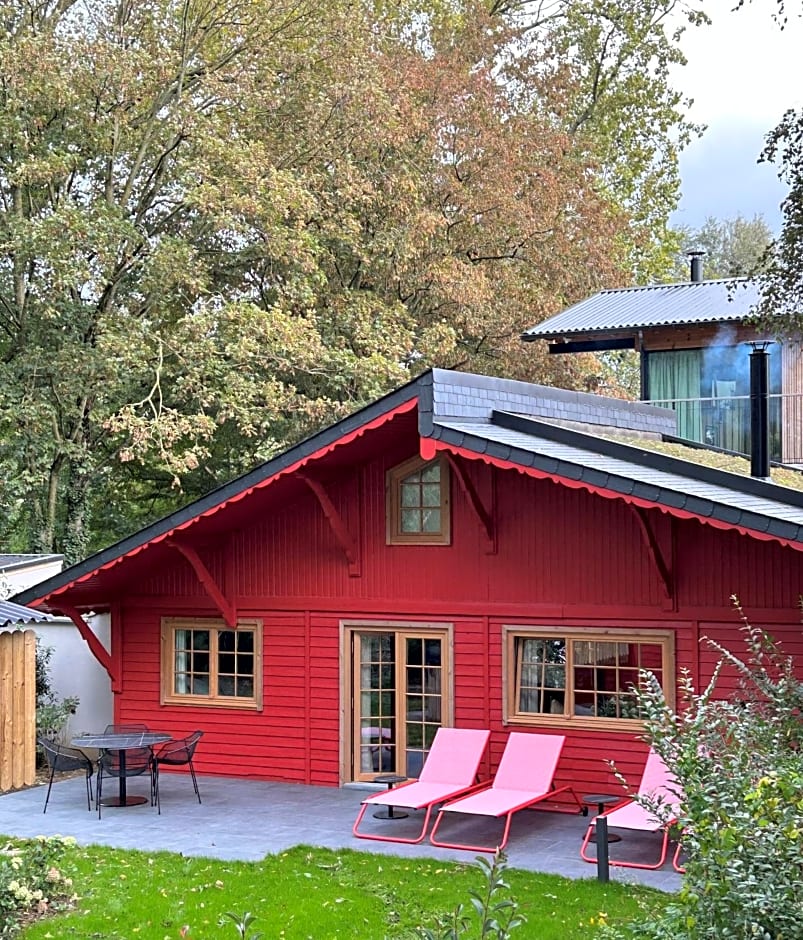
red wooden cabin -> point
(465, 551)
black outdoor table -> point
(601, 800)
(122, 742)
(390, 780)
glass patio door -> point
(398, 695)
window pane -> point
(432, 652)
(226, 662)
(431, 473)
(200, 639)
(245, 687)
(226, 641)
(200, 685)
(410, 495)
(431, 520)
(431, 494)
(415, 651)
(245, 641)
(200, 662)
(225, 685)
(411, 520)
(183, 639)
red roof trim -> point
(431, 446)
(287, 471)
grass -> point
(314, 893)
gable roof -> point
(541, 431)
(692, 303)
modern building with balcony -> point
(694, 339)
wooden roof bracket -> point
(97, 649)
(341, 533)
(469, 490)
(654, 550)
(218, 598)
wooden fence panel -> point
(17, 709)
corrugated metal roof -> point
(12, 614)
(725, 301)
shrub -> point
(33, 882)
(740, 764)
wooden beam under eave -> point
(97, 649)
(227, 610)
(341, 533)
(469, 490)
(654, 550)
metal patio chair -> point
(137, 761)
(658, 783)
(449, 770)
(523, 779)
(176, 753)
(61, 758)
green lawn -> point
(312, 893)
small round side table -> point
(601, 800)
(390, 780)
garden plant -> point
(739, 762)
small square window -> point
(418, 503)
(207, 663)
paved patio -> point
(248, 819)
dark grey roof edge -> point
(225, 492)
(651, 459)
(626, 486)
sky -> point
(743, 72)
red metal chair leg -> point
(616, 864)
(380, 838)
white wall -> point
(73, 668)
(75, 671)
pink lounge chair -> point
(656, 781)
(523, 779)
(449, 770)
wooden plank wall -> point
(17, 709)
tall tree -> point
(735, 247)
(227, 221)
(782, 307)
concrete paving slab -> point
(246, 820)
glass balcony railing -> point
(725, 423)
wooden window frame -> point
(510, 673)
(168, 695)
(393, 481)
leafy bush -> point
(740, 765)
(32, 881)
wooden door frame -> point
(347, 629)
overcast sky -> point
(743, 73)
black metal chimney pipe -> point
(759, 411)
(696, 258)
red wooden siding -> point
(565, 556)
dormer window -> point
(418, 503)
